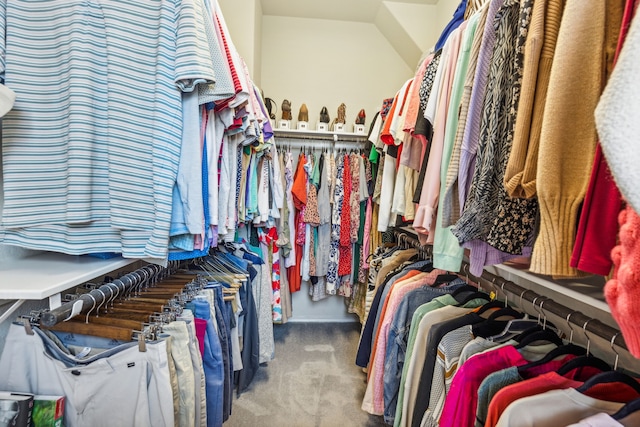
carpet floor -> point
(312, 382)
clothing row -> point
(184, 376)
(490, 146)
(130, 144)
(439, 353)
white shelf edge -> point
(508, 272)
(41, 276)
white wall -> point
(244, 21)
(420, 21)
(324, 62)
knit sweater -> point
(519, 177)
(617, 118)
(568, 136)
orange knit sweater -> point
(568, 136)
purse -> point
(270, 104)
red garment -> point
(462, 400)
(612, 392)
(201, 329)
(299, 187)
(232, 68)
(597, 229)
(299, 193)
(293, 272)
(344, 263)
(385, 134)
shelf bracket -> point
(55, 301)
(11, 309)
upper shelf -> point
(43, 275)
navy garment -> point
(458, 18)
(213, 366)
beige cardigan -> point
(568, 137)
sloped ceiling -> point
(339, 10)
(391, 17)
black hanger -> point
(586, 361)
(475, 295)
(504, 311)
(463, 289)
(444, 278)
(556, 352)
(626, 410)
(544, 335)
(610, 377)
(492, 304)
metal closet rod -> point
(595, 326)
(97, 297)
(500, 284)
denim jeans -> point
(213, 366)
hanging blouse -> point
(334, 252)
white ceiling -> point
(341, 10)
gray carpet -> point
(312, 382)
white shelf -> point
(41, 276)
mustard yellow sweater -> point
(568, 136)
(520, 175)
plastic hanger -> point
(585, 361)
(473, 296)
(626, 410)
(491, 304)
(553, 354)
(501, 312)
(543, 335)
(463, 289)
(610, 377)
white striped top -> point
(91, 148)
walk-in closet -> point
(407, 213)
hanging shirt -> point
(120, 182)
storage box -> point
(339, 127)
(303, 126)
(284, 124)
(15, 409)
(48, 411)
(359, 129)
(323, 127)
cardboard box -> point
(15, 409)
(48, 411)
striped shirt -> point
(91, 148)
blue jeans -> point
(213, 366)
(222, 318)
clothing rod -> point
(319, 136)
(500, 284)
(97, 297)
(319, 145)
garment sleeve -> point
(194, 64)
